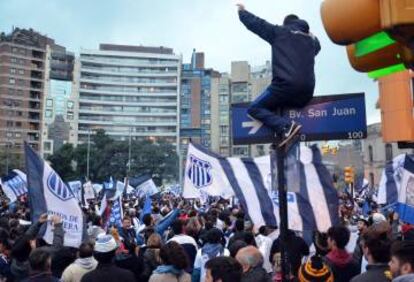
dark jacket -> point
(342, 265)
(130, 262)
(296, 248)
(293, 53)
(374, 273)
(151, 261)
(257, 274)
(41, 277)
(108, 273)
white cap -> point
(378, 217)
(105, 244)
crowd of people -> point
(180, 240)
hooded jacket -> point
(293, 53)
(80, 267)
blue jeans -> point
(264, 108)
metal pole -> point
(129, 152)
(278, 165)
(88, 154)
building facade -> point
(60, 101)
(129, 91)
(22, 86)
(377, 154)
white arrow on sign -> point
(254, 124)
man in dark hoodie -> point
(293, 59)
(338, 259)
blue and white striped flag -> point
(116, 216)
(14, 185)
(313, 207)
(49, 194)
(398, 190)
(390, 183)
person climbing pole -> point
(294, 50)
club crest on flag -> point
(199, 172)
(58, 187)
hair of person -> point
(236, 246)
(340, 234)
(214, 236)
(104, 258)
(250, 256)
(239, 225)
(154, 241)
(127, 217)
(177, 226)
(39, 260)
(290, 18)
(226, 269)
(147, 219)
(404, 252)
(86, 250)
(378, 245)
(174, 254)
(250, 239)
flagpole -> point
(129, 151)
(88, 154)
(277, 166)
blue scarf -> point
(212, 250)
(163, 269)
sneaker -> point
(290, 133)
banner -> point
(89, 193)
(14, 185)
(76, 188)
(313, 207)
(146, 188)
(49, 194)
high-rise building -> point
(196, 99)
(220, 115)
(60, 101)
(22, 79)
(129, 91)
(246, 85)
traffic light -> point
(377, 33)
(349, 174)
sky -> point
(209, 26)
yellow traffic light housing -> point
(378, 32)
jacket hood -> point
(298, 25)
(86, 263)
(404, 278)
(339, 257)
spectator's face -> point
(361, 226)
(209, 277)
(126, 223)
(398, 269)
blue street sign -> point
(332, 117)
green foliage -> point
(110, 158)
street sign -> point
(332, 117)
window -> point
(370, 154)
(47, 146)
(388, 152)
(70, 104)
(15, 50)
(21, 72)
(48, 113)
(13, 60)
(12, 71)
(18, 135)
(9, 123)
(49, 103)
(12, 81)
(18, 124)
(70, 116)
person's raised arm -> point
(256, 25)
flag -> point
(390, 182)
(146, 188)
(97, 187)
(116, 213)
(14, 185)
(313, 207)
(89, 193)
(401, 196)
(49, 194)
(76, 188)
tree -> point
(61, 161)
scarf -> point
(164, 269)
